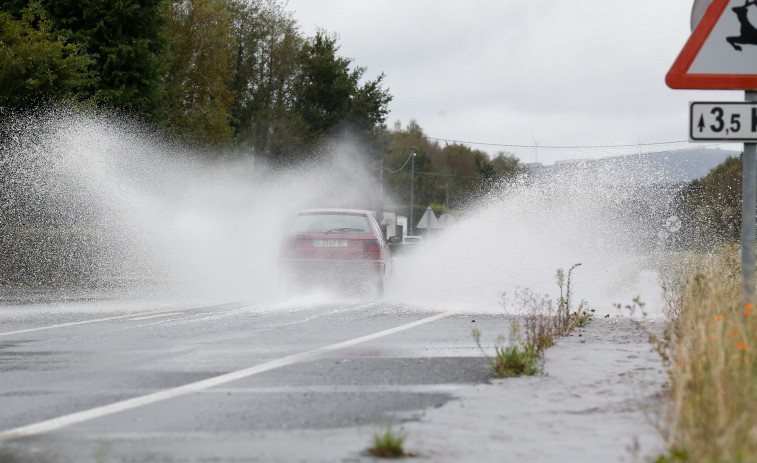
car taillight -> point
(371, 246)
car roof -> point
(334, 211)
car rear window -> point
(344, 224)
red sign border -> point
(678, 76)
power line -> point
(434, 174)
(511, 145)
(402, 170)
(536, 145)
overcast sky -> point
(523, 72)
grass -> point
(710, 350)
(388, 443)
(512, 359)
(542, 323)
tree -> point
(453, 175)
(266, 63)
(126, 39)
(507, 166)
(397, 163)
(711, 206)
(198, 100)
(34, 65)
(328, 94)
(462, 161)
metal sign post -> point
(748, 225)
(411, 226)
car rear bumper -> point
(315, 269)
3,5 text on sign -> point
(723, 121)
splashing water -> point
(116, 204)
(524, 232)
(91, 197)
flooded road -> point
(191, 382)
(261, 377)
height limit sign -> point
(723, 121)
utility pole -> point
(381, 190)
(412, 192)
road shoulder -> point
(599, 400)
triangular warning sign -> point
(722, 51)
(428, 220)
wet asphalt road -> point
(295, 382)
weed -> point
(388, 443)
(542, 325)
(514, 358)
(580, 317)
(674, 456)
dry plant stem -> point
(570, 320)
(711, 349)
(540, 321)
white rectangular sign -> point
(723, 121)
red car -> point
(344, 246)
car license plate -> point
(329, 243)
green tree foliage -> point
(198, 100)
(218, 72)
(507, 166)
(266, 64)
(126, 38)
(291, 92)
(328, 94)
(460, 160)
(397, 165)
(450, 176)
(35, 65)
(711, 206)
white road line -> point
(340, 389)
(105, 410)
(83, 322)
(331, 312)
(149, 313)
(147, 317)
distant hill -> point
(667, 167)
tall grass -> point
(710, 347)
